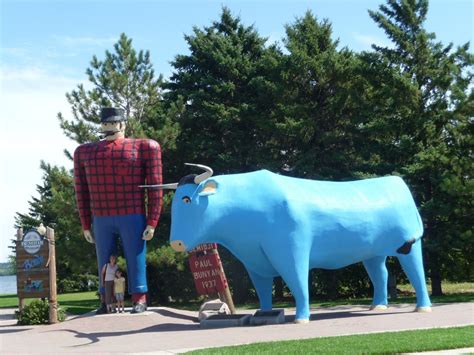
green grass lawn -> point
(453, 292)
(380, 343)
(72, 303)
(83, 302)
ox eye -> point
(186, 199)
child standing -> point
(119, 290)
(108, 277)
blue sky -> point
(65, 34)
(46, 46)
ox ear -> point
(209, 188)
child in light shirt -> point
(119, 290)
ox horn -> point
(173, 186)
(200, 178)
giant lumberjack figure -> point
(107, 176)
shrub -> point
(169, 276)
(37, 312)
(78, 283)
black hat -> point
(111, 114)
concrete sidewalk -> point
(164, 330)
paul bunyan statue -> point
(107, 175)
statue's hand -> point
(148, 233)
(89, 237)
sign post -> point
(208, 273)
(36, 268)
(53, 302)
(19, 237)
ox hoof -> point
(301, 321)
(378, 307)
(423, 309)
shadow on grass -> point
(7, 296)
(78, 307)
(452, 298)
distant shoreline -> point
(6, 269)
(7, 274)
(8, 285)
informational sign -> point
(32, 255)
(207, 270)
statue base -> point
(275, 316)
(225, 320)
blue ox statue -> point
(277, 225)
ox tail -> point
(406, 247)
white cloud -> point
(30, 99)
(34, 81)
(366, 41)
(15, 51)
(85, 41)
(55, 49)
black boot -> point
(139, 307)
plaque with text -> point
(206, 267)
(32, 255)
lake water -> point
(8, 285)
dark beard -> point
(106, 134)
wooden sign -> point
(36, 268)
(207, 269)
(208, 273)
(32, 255)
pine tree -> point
(316, 109)
(421, 128)
(55, 207)
(124, 79)
(226, 85)
(316, 124)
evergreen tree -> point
(418, 124)
(124, 79)
(316, 124)
(55, 207)
(226, 84)
(316, 108)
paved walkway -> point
(167, 331)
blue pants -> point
(130, 229)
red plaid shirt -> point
(107, 175)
